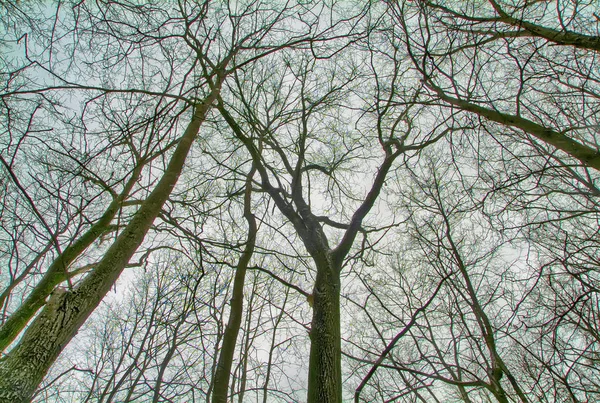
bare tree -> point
(427, 169)
(288, 152)
(211, 57)
(495, 330)
(221, 377)
(520, 65)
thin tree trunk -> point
(167, 359)
(23, 369)
(17, 280)
(223, 372)
(249, 337)
(273, 346)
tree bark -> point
(325, 368)
(57, 272)
(223, 372)
(325, 364)
(23, 369)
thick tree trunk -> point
(23, 369)
(325, 365)
(57, 272)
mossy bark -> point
(25, 366)
(58, 271)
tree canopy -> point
(319, 201)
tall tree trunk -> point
(23, 369)
(325, 365)
(223, 372)
(57, 272)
